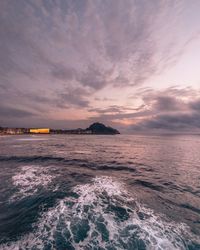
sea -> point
(97, 192)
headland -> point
(94, 129)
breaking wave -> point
(29, 179)
(99, 215)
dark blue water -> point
(99, 192)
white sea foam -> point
(29, 179)
(102, 215)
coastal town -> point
(95, 128)
(21, 131)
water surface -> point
(99, 192)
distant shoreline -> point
(94, 129)
(1, 135)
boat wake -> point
(102, 215)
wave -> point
(116, 168)
(103, 215)
(148, 184)
(29, 179)
(74, 161)
(30, 158)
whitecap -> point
(103, 214)
(29, 179)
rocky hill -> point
(99, 128)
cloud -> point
(170, 123)
(170, 110)
(59, 54)
(110, 109)
(168, 103)
(94, 77)
(10, 112)
(73, 97)
(117, 112)
(62, 73)
(195, 105)
(86, 41)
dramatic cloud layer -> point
(69, 62)
(174, 110)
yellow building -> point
(40, 130)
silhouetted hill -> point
(99, 128)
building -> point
(39, 130)
(12, 131)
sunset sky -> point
(131, 64)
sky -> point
(131, 64)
